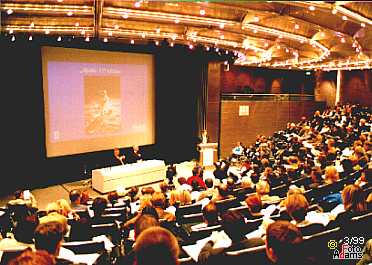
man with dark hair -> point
(208, 193)
(197, 176)
(75, 197)
(156, 245)
(283, 242)
(49, 237)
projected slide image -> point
(102, 105)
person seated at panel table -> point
(119, 158)
(134, 155)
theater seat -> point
(255, 255)
(85, 247)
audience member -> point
(30, 257)
(156, 244)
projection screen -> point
(96, 100)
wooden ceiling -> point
(324, 35)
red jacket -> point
(198, 179)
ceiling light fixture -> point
(69, 13)
(59, 38)
(312, 8)
(9, 11)
(131, 41)
(105, 39)
(202, 12)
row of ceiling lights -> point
(315, 44)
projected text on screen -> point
(96, 100)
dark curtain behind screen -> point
(178, 77)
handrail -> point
(267, 97)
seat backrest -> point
(188, 209)
(85, 247)
(224, 205)
(316, 245)
(312, 229)
(254, 255)
(203, 232)
(109, 229)
(191, 218)
(280, 191)
(9, 255)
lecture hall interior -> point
(186, 132)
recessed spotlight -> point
(308, 73)
(286, 50)
(256, 19)
(207, 48)
(222, 26)
(59, 38)
(9, 11)
(171, 44)
(143, 35)
(255, 31)
(216, 49)
(69, 13)
(363, 25)
(125, 16)
(77, 24)
(32, 24)
(176, 21)
(157, 43)
(137, 4)
(202, 12)
(87, 39)
(226, 52)
(30, 38)
(47, 31)
(297, 26)
(191, 46)
(131, 41)
(344, 17)
(334, 11)
(105, 39)
(312, 8)
(110, 33)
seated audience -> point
(158, 201)
(22, 235)
(210, 216)
(30, 257)
(208, 193)
(283, 243)
(23, 197)
(331, 175)
(234, 226)
(156, 244)
(75, 199)
(49, 237)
